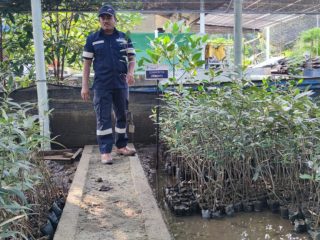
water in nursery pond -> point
(262, 225)
(243, 226)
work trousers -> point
(104, 101)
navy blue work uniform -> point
(110, 63)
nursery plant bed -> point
(50, 198)
(240, 225)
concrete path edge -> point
(155, 226)
(67, 226)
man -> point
(113, 58)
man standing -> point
(113, 58)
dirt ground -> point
(110, 208)
(147, 156)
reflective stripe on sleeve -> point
(131, 50)
(87, 54)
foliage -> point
(64, 37)
(127, 21)
(20, 139)
(177, 48)
(241, 141)
(309, 41)
(18, 39)
(17, 66)
(220, 41)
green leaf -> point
(175, 28)
(76, 17)
(170, 47)
(306, 176)
(11, 17)
(16, 192)
(2, 224)
(196, 56)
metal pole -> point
(202, 18)
(317, 36)
(267, 43)
(202, 28)
(238, 36)
(40, 72)
(1, 48)
(158, 125)
(202, 23)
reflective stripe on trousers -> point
(104, 101)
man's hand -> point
(130, 79)
(85, 94)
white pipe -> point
(238, 36)
(317, 36)
(202, 18)
(40, 72)
(267, 43)
(202, 23)
(156, 33)
(202, 28)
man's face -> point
(107, 22)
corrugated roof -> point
(249, 21)
(170, 6)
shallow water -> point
(243, 226)
(262, 225)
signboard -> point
(156, 72)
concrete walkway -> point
(110, 202)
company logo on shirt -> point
(122, 41)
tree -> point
(64, 37)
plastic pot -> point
(284, 212)
(56, 209)
(238, 207)
(274, 206)
(247, 206)
(300, 226)
(60, 202)
(181, 210)
(206, 213)
(264, 201)
(258, 206)
(230, 210)
(216, 214)
(296, 216)
(53, 219)
(315, 234)
(47, 230)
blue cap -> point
(106, 10)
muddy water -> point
(243, 226)
(264, 225)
